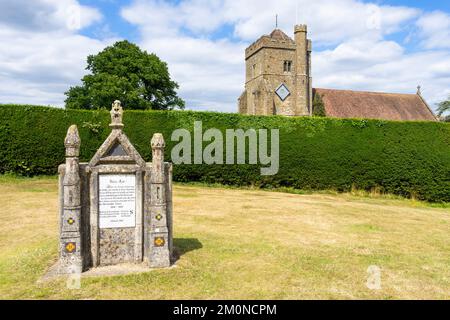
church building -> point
(278, 82)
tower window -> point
(287, 67)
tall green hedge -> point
(404, 158)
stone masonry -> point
(278, 82)
(117, 208)
(275, 60)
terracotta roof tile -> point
(279, 35)
(374, 105)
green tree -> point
(125, 72)
(443, 107)
(318, 108)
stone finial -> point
(116, 115)
(158, 141)
(419, 90)
(72, 142)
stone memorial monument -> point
(117, 208)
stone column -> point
(71, 258)
(159, 253)
(302, 71)
(310, 95)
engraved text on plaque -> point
(117, 200)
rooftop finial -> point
(116, 115)
(276, 21)
(419, 90)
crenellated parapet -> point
(268, 42)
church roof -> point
(279, 35)
(375, 105)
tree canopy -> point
(444, 107)
(125, 72)
(318, 108)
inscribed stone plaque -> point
(117, 200)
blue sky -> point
(111, 10)
(375, 45)
(122, 28)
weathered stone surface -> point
(159, 235)
(116, 115)
(116, 246)
(70, 244)
(71, 219)
(72, 142)
(84, 242)
(273, 60)
(158, 193)
(160, 255)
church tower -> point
(278, 75)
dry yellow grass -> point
(244, 244)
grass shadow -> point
(185, 245)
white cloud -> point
(47, 15)
(355, 54)
(211, 71)
(352, 43)
(44, 56)
(329, 21)
(164, 18)
(400, 73)
(435, 30)
(38, 68)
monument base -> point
(54, 272)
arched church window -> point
(287, 66)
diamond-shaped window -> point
(282, 92)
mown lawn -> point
(245, 244)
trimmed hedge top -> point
(404, 158)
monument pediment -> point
(117, 148)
